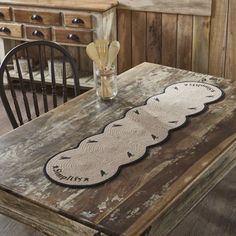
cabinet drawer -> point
(38, 33)
(78, 20)
(11, 30)
(73, 36)
(37, 17)
(5, 13)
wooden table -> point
(151, 196)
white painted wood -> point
(189, 7)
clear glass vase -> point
(106, 83)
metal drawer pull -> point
(36, 17)
(5, 30)
(73, 37)
(1, 15)
(77, 21)
(38, 33)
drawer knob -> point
(78, 21)
(73, 37)
(5, 30)
(38, 33)
(1, 15)
(36, 17)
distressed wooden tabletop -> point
(150, 196)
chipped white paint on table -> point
(144, 197)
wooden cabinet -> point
(10, 30)
(73, 25)
(5, 14)
(73, 36)
(38, 32)
(78, 20)
(37, 17)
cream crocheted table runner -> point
(99, 157)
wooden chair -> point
(42, 56)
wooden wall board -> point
(218, 40)
(201, 33)
(139, 30)
(184, 42)
(169, 39)
(189, 7)
(124, 36)
(230, 65)
(154, 37)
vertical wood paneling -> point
(201, 33)
(169, 39)
(199, 43)
(154, 37)
(230, 69)
(124, 36)
(218, 37)
(184, 42)
(139, 30)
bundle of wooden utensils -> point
(103, 55)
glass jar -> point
(106, 83)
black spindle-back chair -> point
(44, 54)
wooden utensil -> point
(112, 53)
(102, 49)
(93, 55)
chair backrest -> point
(33, 67)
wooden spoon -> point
(112, 53)
(93, 55)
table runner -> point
(100, 157)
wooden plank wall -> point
(205, 44)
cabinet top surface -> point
(89, 5)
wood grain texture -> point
(46, 32)
(184, 42)
(169, 39)
(5, 14)
(85, 18)
(46, 18)
(230, 65)
(189, 7)
(195, 154)
(124, 26)
(215, 215)
(139, 30)
(90, 5)
(9, 227)
(82, 37)
(154, 37)
(201, 34)
(15, 30)
(218, 40)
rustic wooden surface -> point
(215, 215)
(154, 40)
(184, 42)
(230, 64)
(201, 34)
(124, 26)
(130, 203)
(139, 22)
(218, 37)
(93, 5)
(204, 44)
(189, 7)
(169, 39)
